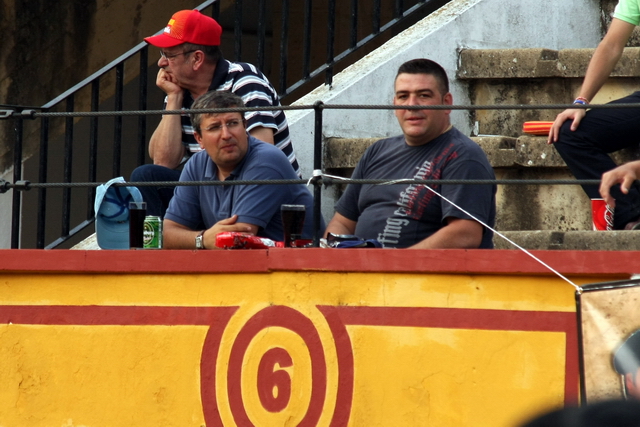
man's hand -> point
(604, 59)
(575, 114)
(167, 82)
(624, 175)
(226, 225)
(178, 236)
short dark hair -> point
(429, 67)
(213, 53)
(214, 99)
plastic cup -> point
(137, 214)
(601, 215)
(292, 223)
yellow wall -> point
(81, 347)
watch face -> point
(199, 242)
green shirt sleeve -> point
(628, 11)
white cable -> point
(317, 172)
(401, 181)
(578, 288)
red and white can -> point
(601, 215)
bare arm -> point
(458, 233)
(624, 175)
(165, 145)
(340, 224)
(602, 63)
(177, 236)
(263, 134)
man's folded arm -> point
(457, 234)
(340, 224)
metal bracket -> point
(4, 186)
(24, 114)
(27, 114)
(22, 185)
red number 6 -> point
(272, 380)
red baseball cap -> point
(188, 26)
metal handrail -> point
(318, 180)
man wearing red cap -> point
(191, 64)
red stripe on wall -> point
(455, 318)
(337, 317)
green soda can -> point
(152, 232)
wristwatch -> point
(200, 240)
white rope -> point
(402, 181)
(316, 173)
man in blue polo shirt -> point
(191, 64)
(197, 214)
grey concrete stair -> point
(535, 77)
(570, 240)
(534, 216)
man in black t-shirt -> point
(414, 215)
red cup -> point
(601, 215)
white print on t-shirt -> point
(407, 207)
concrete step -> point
(342, 154)
(535, 77)
(570, 240)
(519, 207)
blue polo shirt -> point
(200, 207)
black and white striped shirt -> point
(246, 81)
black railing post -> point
(306, 49)
(142, 106)
(284, 45)
(68, 167)
(117, 120)
(42, 177)
(331, 34)
(318, 108)
(237, 29)
(215, 10)
(354, 24)
(261, 33)
(93, 145)
(376, 16)
(399, 9)
(17, 176)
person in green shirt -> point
(584, 138)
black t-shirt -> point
(400, 215)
